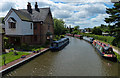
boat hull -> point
(53, 49)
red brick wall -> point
(40, 31)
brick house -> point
(29, 26)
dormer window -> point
(12, 22)
(12, 25)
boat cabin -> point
(104, 48)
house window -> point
(48, 27)
(35, 38)
(31, 25)
(12, 25)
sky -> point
(84, 13)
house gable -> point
(22, 27)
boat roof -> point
(60, 40)
(105, 46)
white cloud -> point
(86, 13)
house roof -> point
(35, 16)
(12, 19)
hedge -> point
(108, 39)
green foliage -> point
(9, 57)
(12, 49)
(76, 28)
(108, 39)
(2, 20)
(58, 37)
(118, 56)
(75, 32)
(62, 36)
(59, 26)
(6, 44)
(116, 41)
(114, 21)
(26, 47)
(47, 42)
(96, 31)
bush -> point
(12, 49)
(25, 47)
(108, 39)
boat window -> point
(101, 49)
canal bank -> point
(78, 58)
(17, 63)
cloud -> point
(6, 6)
(85, 13)
(82, 1)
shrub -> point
(108, 39)
(11, 49)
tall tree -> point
(96, 31)
(114, 18)
(59, 26)
(76, 27)
(114, 21)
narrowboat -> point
(79, 36)
(105, 50)
(68, 34)
(89, 39)
(60, 44)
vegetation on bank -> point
(58, 37)
(111, 40)
(118, 56)
(9, 57)
(26, 47)
(59, 26)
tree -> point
(76, 28)
(114, 21)
(96, 31)
(114, 18)
(3, 20)
(59, 26)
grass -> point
(118, 56)
(11, 57)
(37, 49)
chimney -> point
(36, 7)
(29, 9)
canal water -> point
(78, 58)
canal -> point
(78, 58)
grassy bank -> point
(11, 57)
(118, 56)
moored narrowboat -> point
(68, 34)
(79, 36)
(104, 50)
(60, 44)
(89, 39)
